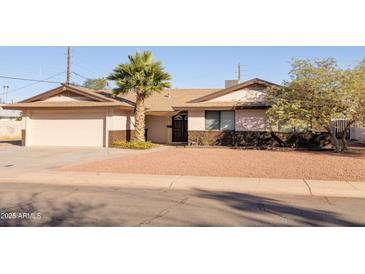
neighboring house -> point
(77, 116)
(358, 134)
(8, 115)
(10, 125)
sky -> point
(190, 67)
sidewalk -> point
(169, 182)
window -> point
(212, 120)
(219, 120)
(227, 120)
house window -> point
(227, 120)
(212, 120)
(219, 120)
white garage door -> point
(66, 129)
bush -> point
(133, 144)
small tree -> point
(353, 97)
(97, 84)
(319, 92)
(143, 76)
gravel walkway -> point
(239, 163)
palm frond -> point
(142, 73)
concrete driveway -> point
(17, 159)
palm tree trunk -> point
(140, 119)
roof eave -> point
(24, 107)
(235, 107)
(63, 88)
(204, 107)
(233, 88)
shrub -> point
(133, 144)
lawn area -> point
(319, 165)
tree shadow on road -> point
(64, 214)
(284, 213)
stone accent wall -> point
(260, 139)
(125, 135)
(23, 137)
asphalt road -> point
(55, 205)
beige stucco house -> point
(77, 116)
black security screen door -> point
(180, 128)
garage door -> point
(67, 129)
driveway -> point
(17, 159)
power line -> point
(31, 80)
(77, 74)
(38, 82)
(84, 68)
(82, 63)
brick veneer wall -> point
(125, 135)
(259, 139)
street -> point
(58, 205)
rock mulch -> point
(317, 165)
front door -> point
(180, 128)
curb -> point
(177, 182)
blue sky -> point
(190, 67)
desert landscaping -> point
(317, 165)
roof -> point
(164, 100)
(76, 89)
(98, 100)
(225, 105)
(167, 100)
(255, 81)
(45, 104)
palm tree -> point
(143, 76)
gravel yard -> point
(319, 165)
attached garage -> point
(74, 116)
(67, 129)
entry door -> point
(180, 128)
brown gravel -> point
(239, 163)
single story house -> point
(76, 116)
(236, 115)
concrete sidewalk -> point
(169, 182)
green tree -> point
(97, 84)
(353, 97)
(319, 92)
(142, 75)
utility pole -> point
(239, 73)
(3, 97)
(5, 93)
(68, 66)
